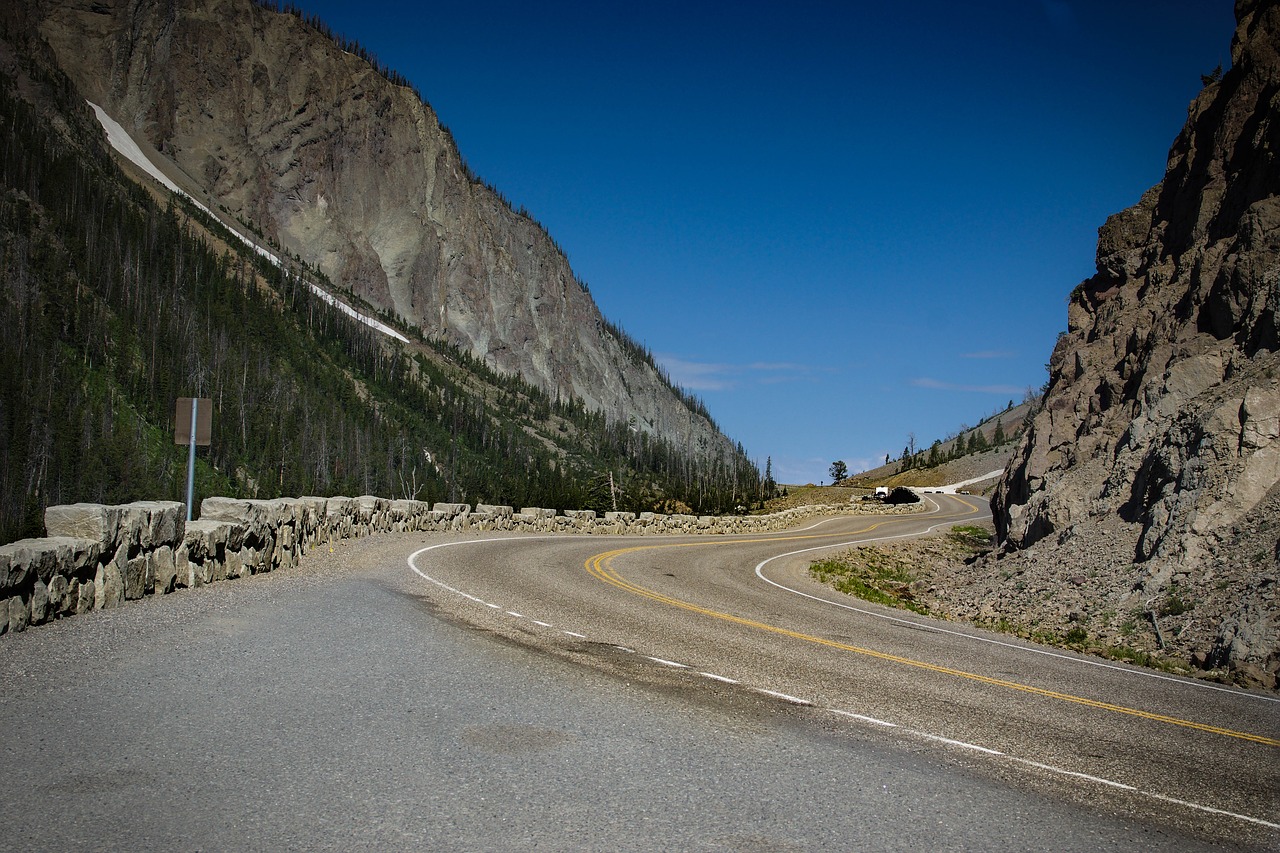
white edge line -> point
(759, 571)
(883, 723)
(666, 662)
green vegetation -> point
(973, 538)
(113, 306)
(872, 575)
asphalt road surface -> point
(589, 692)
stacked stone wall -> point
(97, 557)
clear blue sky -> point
(836, 222)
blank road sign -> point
(182, 421)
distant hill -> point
(969, 452)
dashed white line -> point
(960, 743)
(864, 718)
(785, 697)
(720, 678)
(540, 622)
(795, 700)
(1060, 771)
(515, 614)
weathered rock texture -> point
(97, 556)
(1153, 469)
(269, 119)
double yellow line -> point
(601, 566)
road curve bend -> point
(740, 613)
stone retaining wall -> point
(102, 556)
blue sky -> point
(837, 223)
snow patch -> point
(122, 142)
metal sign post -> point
(192, 424)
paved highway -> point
(473, 692)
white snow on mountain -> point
(123, 143)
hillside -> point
(297, 137)
(1153, 469)
(958, 458)
(118, 298)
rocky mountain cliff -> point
(1152, 474)
(277, 125)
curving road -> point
(741, 613)
(571, 692)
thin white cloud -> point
(718, 376)
(697, 376)
(973, 389)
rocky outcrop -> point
(1155, 461)
(273, 123)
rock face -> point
(1159, 439)
(270, 119)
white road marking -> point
(715, 677)
(962, 744)
(576, 634)
(540, 622)
(785, 697)
(515, 614)
(1049, 768)
(666, 662)
(995, 754)
(933, 626)
(863, 718)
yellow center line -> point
(601, 567)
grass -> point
(976, 539)
(872, 575)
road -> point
(743, 613)
(471, 692)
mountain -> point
(117, 296)
(302, 139)
(1152, 472)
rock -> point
(84, 521)
(19, 614)
(164, 570)
(394, 213)
(86, 597)
(108, 586)
(39, 603)
(1159, 433)
(61, 597)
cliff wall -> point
(1155, 461)
(274, 124)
